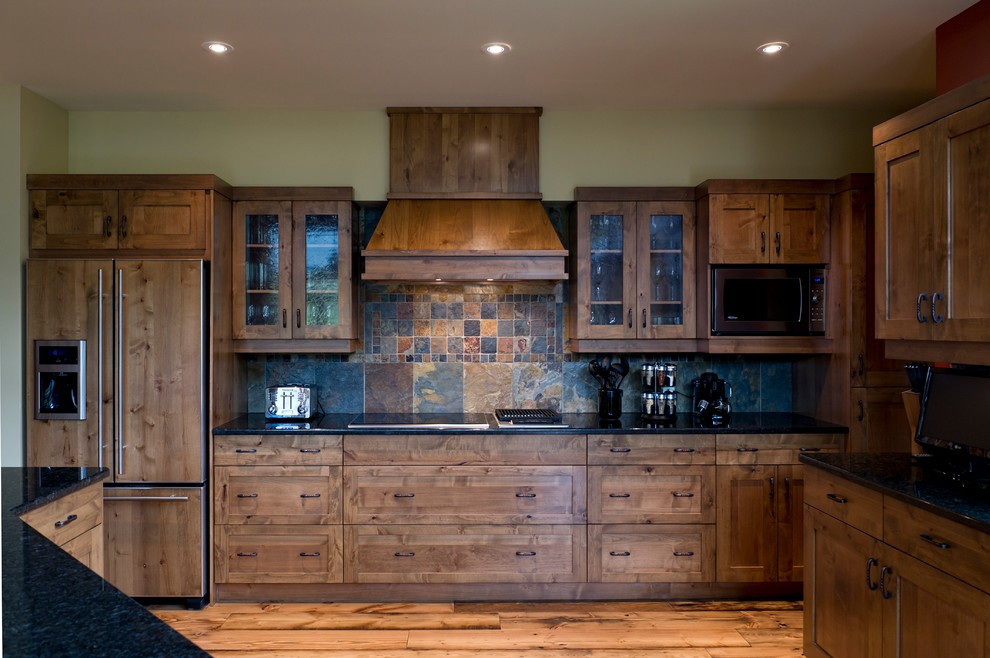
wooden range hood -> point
(464, 200)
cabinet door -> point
(262, 281)
(799, 227)
(71, 300)
(739, 228)
(321, 270)
(842, 602)
(606, 270)
(905, 254)
(879, 422)
(789, 496)
(651, 553)
(665, 270)
(929, 613)
(746, 524)
(154, 541)
(73, 219)
(651, 494)
(162, 219)
(279, 554)
(961, 310)
(160, 387)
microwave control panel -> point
(816, 299)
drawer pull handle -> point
(247, 555)
(747, 449)
(806, 449)
(316, 495)
(404, 495)
(837, 499)
(884, 572)
(305, 554)
(247, 450)
(621, 450)
(870, 563)
(936, 542)
(69, 519)
(683, 553)
(683, 494)
(251, 495)
(309, 450)
(525, 495)
(622, 495)
(405, 555)
(683, 449)
(619, 553)
(526, 553)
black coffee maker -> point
(710, 400)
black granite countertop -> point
(910, 478)
(741, 423)
(52, 604)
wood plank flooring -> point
(688, 629)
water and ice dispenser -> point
(61, 386)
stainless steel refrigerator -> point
(117, 377)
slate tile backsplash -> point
(475, 348)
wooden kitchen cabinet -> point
(75, 523)
(293, 264)
(132, 215)
(760, 505)
(279, 554)
(633, 268)
(931, 240)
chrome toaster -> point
(289, 401)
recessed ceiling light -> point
(773, 47)
(218, 47)
(496, 48)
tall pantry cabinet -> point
(135, 322)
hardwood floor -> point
(690, 629)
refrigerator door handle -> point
(99, 367)
(120, 369)
(158, 499)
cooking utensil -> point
(617, 372)
(596, 370)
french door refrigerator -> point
(116, 377)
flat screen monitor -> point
(955, 411)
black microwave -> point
(768, 300)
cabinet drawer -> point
(651, 494)
(746, 449)
(952, 547)
(277, 494)
(465, 554)
(651, 554)
(530, 449)
(279, 554)
(68, 517)
(847, 501)
(621, 449)
(464, 494)
(291, 449)
(88, 549)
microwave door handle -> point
(99, 367)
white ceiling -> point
(566, 54)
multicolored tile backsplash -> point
(475, 348)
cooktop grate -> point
(522, 416)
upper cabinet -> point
(141, 215)
(292, 257)
(933, 209)
(757, 227)
(633, 269)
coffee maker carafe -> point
(710, 400)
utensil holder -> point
(609, 403)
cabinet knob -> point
(884, 572)
(938, 543)
(123, 226)
(247, 450)
(683, 494)
(525, 553)
(313, 450)
(683, 553)
(314, 495)
(618, 495)
(404, 495)
(525, 495)
(305, 554)
(870, 563)
(247, 555)
(936, 318)
(620, 450)
(921, 298)
(836, 499)
(250, 495)
(619, 553)
(400, 554)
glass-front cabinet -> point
(292, 271)
(634, 273)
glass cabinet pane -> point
(322, 269)
(261, 269)
(606, 260)
(666, 270)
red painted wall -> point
(962, 48)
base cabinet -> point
(75, 523)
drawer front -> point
(68, 517)
(272, 449)
(651, 494)
(465, 554)
(619, 449)
(651, 554)
(278, 494)
(279, 554)
(88, 549)
(847, 501)
(531, 449)
(952, 547)
(464, 494)
(745, 449)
